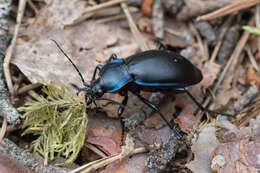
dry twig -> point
(232, 8)
(138, 37)
(3, 130)
(29, 87)
(257, 18)
(107, 160)
(10, 49)
(92, 10)
(252, 59)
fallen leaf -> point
(210, 72)
(253, 77)
(202, 149)
(147, 7)
(9, 165)
(242, 153)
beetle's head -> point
(94, 91)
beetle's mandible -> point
(152, 71)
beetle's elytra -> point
(153, 70)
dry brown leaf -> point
(202, 149)
(147, 8)
(88, 44)
(242, 154)
(253, 77)
(9, 165)
(210, 72)
(63, 11)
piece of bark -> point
(27, 159)
(10, 165)
(158, 159)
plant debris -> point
(59, 122)
(219, 37)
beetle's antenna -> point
(82, 79)
(205, 109)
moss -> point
(59, 121)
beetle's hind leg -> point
(120, 112)
(174, 127)
(205, 109)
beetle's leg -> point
(160, 46)
(205, 109)
(155, 108)
(112, 57)
(120, 112)
(98, 67)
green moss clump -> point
(59, 120)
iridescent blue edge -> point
(158, 84)
(119, 85)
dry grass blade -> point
(3, 130)
(103, 5)
(28, 88)
(138, 37)
(257, 18)
(252, 59)
(234, 7)
(238, 49)
(89, 12)
(10, 49)
(105, 161)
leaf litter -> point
(91, 42)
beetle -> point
(152, 71)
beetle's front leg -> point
(98, 67)
(120, 112)
(156, 109)
(112, 57)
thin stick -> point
(3, 130)
(215, 51)
(33, 7)
(95, 150)
(252, 59)
(89, 12)
(103, 5)
(240, 45)
(10, 49)
(29, 87)
(257, 18)
(138, 37)
(105, 161)
(234, 7)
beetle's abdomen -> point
(162, 68)
(114, 76)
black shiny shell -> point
(162, 68)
